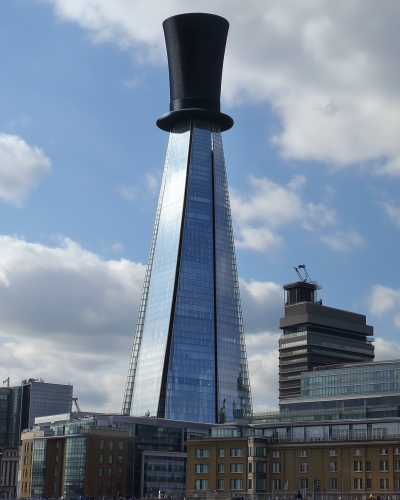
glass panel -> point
(155, 308)
(233, 374)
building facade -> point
(353, 459)
(160, 456)
(314, 335)
(189, 357)
(9, 461)
(88, 461)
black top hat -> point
(195, 49)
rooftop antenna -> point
(307, 278)
(8, 381)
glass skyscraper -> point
(189, 357)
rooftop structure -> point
(315, 335)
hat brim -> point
(168, 121)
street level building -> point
(9, 461)
(189, 360)
(314, 335)
(351, 459)
(157, 469)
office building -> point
(189, 360)
(20, 405)
(336, 460)
(156, 462)
(315, 335)
(9, 460)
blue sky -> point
(313, 166)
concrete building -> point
(9, 461)
(314, 335)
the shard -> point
(188, 359)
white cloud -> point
(21, 168)
(151, 186)
(267, 206)
(393, 212)
(383, 299)
(329, 69)
(66, 315)
(343, 241)
(386, 349)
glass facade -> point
(75, 465)
(189, 358)
(352, 379)
(164, 476)
(39, 468)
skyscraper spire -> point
(189, 360)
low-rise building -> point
(9, 460)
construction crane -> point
(75, 400)
(307, 278)
(8, 381)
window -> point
(119, 489)
(236, 452)
(333, 484)
(221, 484)
(262, 467)
(368, 466)
(358, 466)
(101, 459)
(397, 465)
(333, 453)
(383, 451)
(221, 454)
(119, 472)
(57, 445)
(101, 444)
(120, 445)
(120, 460)
(100, 472)
(202, 454)
(100, 487)
(368, 484)
(303, 467)
(276, 454)
(56, 460)
(201, 468)
(110, 459)
(261, 484)
(384, 484)
(250, 467)
(111, 444)
(358, 483)
(396, 451)
(276, 467)
(384, 466)
(109, 484)
(357, 453)
(304, 453)
(55, 472)
(26, 446)
(250, 484)
(54, 487)
(221, 468)
(261, 451)
(109, 472)
(237, 468)
(332, 467)
(25, 460)
(236, 484)
(201, 484)
(276, 484)
(397, 484)
(303, 484)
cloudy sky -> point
(313, 166)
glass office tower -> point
(189, 358)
